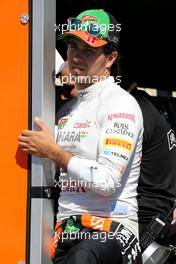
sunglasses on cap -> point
(92, 29)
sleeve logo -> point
(171, 139)
(117, 142)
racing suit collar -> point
(94, 88)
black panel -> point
(148, 44)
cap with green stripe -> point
(98, 18)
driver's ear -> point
(111, 58)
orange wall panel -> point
(13, 118)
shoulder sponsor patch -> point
(171, 139)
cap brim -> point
(90, 40)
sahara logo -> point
(62, 122)
(68, 136)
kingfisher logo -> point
(122, 116)
(117, 142)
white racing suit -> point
(103, 129)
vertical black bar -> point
(28, 209)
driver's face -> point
(85, 61)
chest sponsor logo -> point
(112, 116)
(120, 128)
(171, 139)
(117, 142)
(68, 136)
(62, 122)
(82, 124)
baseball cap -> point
(95, 27)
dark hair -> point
(115, 68)
(118, 68)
